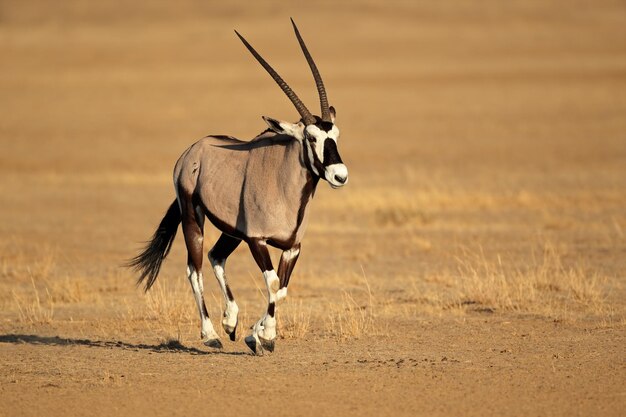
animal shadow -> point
(171, 346)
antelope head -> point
(319, 135)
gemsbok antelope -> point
(256, 191)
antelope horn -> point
(304, 112)
(316, 74)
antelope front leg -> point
(264, 331)
(285, 268)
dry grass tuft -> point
(35, 299)
(168, 311)
(544, 286)
(350, 318)
(23, 266)
(65, 290)
(294, 320)
(170, 307)
(32, 309)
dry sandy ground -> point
(473, 266)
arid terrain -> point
(474, 265)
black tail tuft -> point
(149, 261)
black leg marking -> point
(222, 249)
(286, 265)
(233, 335)
(229, 293)
(224, 246)
(261, 255)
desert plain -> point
(473, 265)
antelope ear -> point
(333, 114)
(295, 130)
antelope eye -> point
(312, 139)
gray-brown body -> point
(249, 190)
(257, 192)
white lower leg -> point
(281, 294)
(207, 332)
(265, 328)
(230, 315)
(229, 321)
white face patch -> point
(335, 174)
(309, 151)
(316, 141)
(320, 137)
(316, 146)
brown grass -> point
(495, 127)
(544, 286)
(169, 310)
(67, 290)
(349, 318)
(34, 308)
(294, 319)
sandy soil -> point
(473, 266)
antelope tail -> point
(148, 262)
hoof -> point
(214, 343)
(231, 331)
(253, 345)
(267, 344)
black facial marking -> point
(316, 161)
(322, 125)
(331, 154)
(271, 310)
(326, 126)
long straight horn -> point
(304, 112)
(316, 74)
